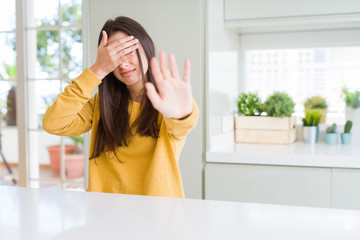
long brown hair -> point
(114, 128)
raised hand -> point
(174, 99)
(110, 54)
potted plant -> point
(279, 105)
(74, 158)
(277, 127)
(311, 127)
(249, 104)
(352, 110)
(346, 136)
(10, 117)
(317, 103)
(331, 135)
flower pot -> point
(331, 138)
(310, 134)
(346, 138)
(74, 163)
(11, 107)
(352, 114)
(264, 129)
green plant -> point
(10, 71)
(315, 102)
(311, 119)
(352, 99)
(78, 142)
(249, 104)
(348, 126)
(331, 129)
(279, 105)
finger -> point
(120, 47)
(152, 95)
(104, 39)
(126, 51)
(156, 71)
(120, 41)
(173, 66)
(163, 65)
(187, 71)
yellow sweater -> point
(149, 166)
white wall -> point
(222, 77)
(177, 27)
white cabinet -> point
(302, 186)
(250, 16)
(289, 185)
(256, 9)
(345, 191)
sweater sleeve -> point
(72, 112)
(180, 128)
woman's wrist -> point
(97, 71)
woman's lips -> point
(127, 73)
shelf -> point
(296, 154)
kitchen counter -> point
(296, 154)
(27, 213)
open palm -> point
(174, 97)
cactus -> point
(348, 126)
(331, 129)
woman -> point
(139, 118)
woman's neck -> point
(136, 93)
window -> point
(54, 58)
(8, 129)
(304, 65)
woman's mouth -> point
(127, 73)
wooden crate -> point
(255, 129)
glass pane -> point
(44, 160)
(71, 12)
(7, 56)
(7, 15)
(43, 13)
(304, 72)
(72, 53)
(41, 94)
(9, 136)
(43, 54)
(74, 158)
(5, 86)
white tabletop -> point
(53, 214)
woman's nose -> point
(124, 61)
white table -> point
(52, 214)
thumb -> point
(104, 39)
(152, 95)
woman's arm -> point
(72, 112)
(174, 99)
